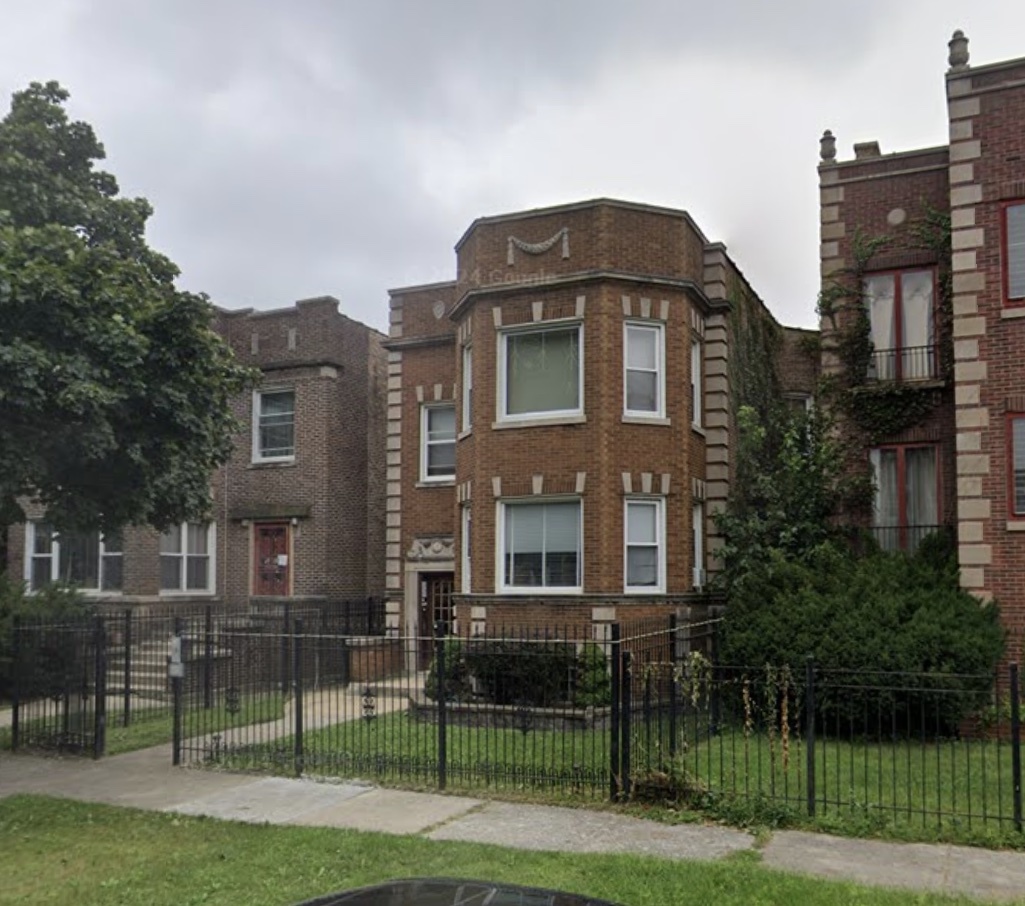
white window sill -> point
(536, 590)
(638, 419)
(466, 432)
(191, 593)
(645, 590)
(272, 463)
(540, 422)
(436, 482)
(1017, 312)
(697, 429)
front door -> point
(271, 565)
(435, 608)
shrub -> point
(514, 672)
(593, 687)
(457, 676)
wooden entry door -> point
(435, 608)
(272, 568)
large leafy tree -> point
(114, 388)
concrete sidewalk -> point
(147, 780)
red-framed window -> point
(907, 494)
(1013, 252)
(902, 319)
(1016, 464)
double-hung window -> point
(186, 558)
(467, 388)
(466, 547)
(906, 495)
(698, 534)
(900, 312)
(645, 547)
(540, 371)
(540, 546)
(89, 560)
(1014, 253)
(438, 446)
(696, 367)
(273, 425)
(644, 377)
(1016, 449)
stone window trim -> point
(43, 554)
(184, 558)
(1012, 252)
(283, 421)
(504, 587)
(537, 417)
(637, 541)
(645, 371)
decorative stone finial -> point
(827, 147)
(958, 45)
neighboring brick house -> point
(559, 420)
(947, 325)
(298, 510)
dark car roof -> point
(452, 892)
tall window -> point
(696, 406)
(467, 387)
(87, 559)
(540, 372)
(273, 425)
(1014, 253)
(541, 545)
(438, 447)
(906, 497)
(1016, 429)
(186, 558)
(466, 546)
(900, 311)
(645, 547)
(644, 377)
(698, 531)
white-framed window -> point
(438, 442)
(273, 425)
(696, 363)
(1014, 253)
(698, 532)
(540, 372)
(644, 377)
(89, 560)
(187, 558)
(539, 546)
(467, 388)
(466, 546)
(644, 530)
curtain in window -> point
(879, 299)
(920, 494)
(542, 371)
(1016, 251)
(917, 326)
(887, 498)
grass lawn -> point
(57, 851)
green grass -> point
(154, 726)
(59, 852)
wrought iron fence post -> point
(615, 768)
(177, 692)
(1016, 745)
(126, 715)
(286, 661)
(100, 710)
(809, 740)
(625, 718)
(297, 687)
(439, 654)
(208, 659)
(673, 663)
(15, 683)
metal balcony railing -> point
(909, 363)
(903, 537)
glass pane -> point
(42, 538)
(641, 348)
(41, 567)
(642, 566)
(277, 405)
(562, 569)
(542, 371)
(197, 569)
(171, 540)
(441, 423)
(80, 558)
(197, 540)
(170, 573)
(441, 459)
(642, 391)
(884, 464)
(1018, 441)
(277, 440)
(917, 325)
(113, 542)
(562, 527)
(641, 523)
(879, 299)
(524, 528)
(1016, 251)
(112, 572)
(920, 486)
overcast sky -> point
(310, 147)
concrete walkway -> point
(146, 780)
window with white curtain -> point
(1017, 429)
(89, 560)
(644, 374)
(186, 558)
(645, 546)
(540, 545)
(1014, 252)
(540, 372)
(900, 311)
(906, 495)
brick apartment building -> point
(560, 420)
(298, 511)
(945, 370)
